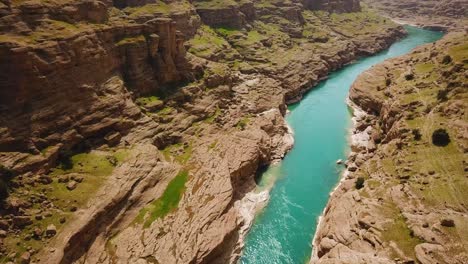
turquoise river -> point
(283, 230)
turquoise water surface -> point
(283, 231)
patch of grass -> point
(129, 40)
(147, 100)
(167, 203)
(94, 167)
(182, 152)
(213, 144)
(165, 111)
(424, 68)
(214, 4)
(399, 232)
(459, 53)
(211, 118)
(243, 123)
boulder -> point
(25, 258)
(21, 221)
(51, 230)
(72, 185)
(447, 222)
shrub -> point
(442, 95)
(359, 183)
(417, 134)
(446, 59)
(3, 189)
(5, 176)
(440, 137)
(409, 76)
(388, 82)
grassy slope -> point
(437, 174)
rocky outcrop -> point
(340, 6)
(392, 205)
(436, 15)
(220, 14)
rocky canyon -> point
(402, 198)
(134, 131)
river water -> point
(283, 231)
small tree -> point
(442, 95)
(417, 134)
(5, 176)
(440, 137)
(388, 82)
(409, 76)
(359, 183)
(446, 59)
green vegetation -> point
(440, 137)
(424, 68)
(180, 152)
(5, 176)
(214, 4)
(213, 117)
(207, 43)
(446, 59)
(159, 7)
(148, 100)
(416, 134)
(129, 40)
(213, 144)
(442, 95)
(168, 201)
(459, 52)
(398, 232)
(243, 122)
(93, 167)
(359, 184)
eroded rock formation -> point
(438, 15)
(131, 131)
(397, 202)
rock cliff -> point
(438, 15)
(131, 131)
(401, 199)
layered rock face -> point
(340, 6)
(402, 199)
(131, 131)
(437, 15)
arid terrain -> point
(132, 131)
(403, 198)
(437, 15)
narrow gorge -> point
(138, 131)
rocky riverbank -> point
(446, 15)
(401, 199)
(131, 132)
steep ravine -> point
(284, 229)
(131, 131)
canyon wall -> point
(438, 15)
(401, 199)
(131, 131)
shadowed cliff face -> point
(135, 123)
